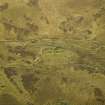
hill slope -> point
(52, 52)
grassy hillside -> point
(52, 52)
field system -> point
(52, 52)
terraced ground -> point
(52, 52)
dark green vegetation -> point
(52, 52)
